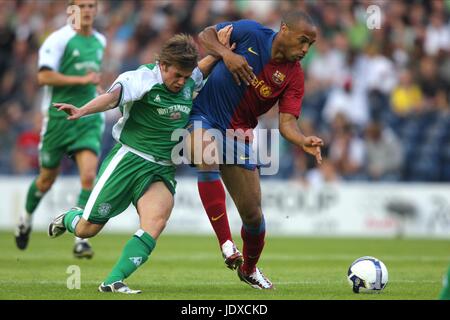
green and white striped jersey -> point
(71, 54)
(151, 112)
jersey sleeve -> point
(134, 85)
(241, 29)
(197, 76)
(291, 100)
(51, 52)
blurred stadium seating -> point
(367, 64)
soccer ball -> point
(367, 275)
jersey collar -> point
(158, 73)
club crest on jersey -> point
(265, 91)
(175, 116)
(104, 209)
(278, 77)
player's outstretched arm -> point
(236, 64)
(290, 131)
(101, 103)
(48, 77)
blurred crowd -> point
(377, 94)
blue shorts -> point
(234, 150)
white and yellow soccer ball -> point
(367, 275)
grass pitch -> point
(191, 267)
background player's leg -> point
(154, 209)
(87, 162)
(212, 194)
(36, 192)
(243, 186)
(445, 292)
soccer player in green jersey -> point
(69, 65)
(156, 99)
(445, 292)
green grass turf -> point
(191, 267)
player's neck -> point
(277, 53)
(85, 30)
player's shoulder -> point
(100, 37)
(149, 73)
(293, 73)
(251, 25)
(295, 68)
(61, 35)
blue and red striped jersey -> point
(230, 106)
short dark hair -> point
(181, 51)
(292, 18)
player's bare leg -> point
(154, 209)
(244, 187)
(87, 163)
(212, 193)
(36, 192)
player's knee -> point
(155, 225)
(87, 179)
(252, 216)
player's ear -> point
(284, 28)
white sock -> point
(78, 240)
(26, 219)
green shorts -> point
(123, 178)
(61, 136)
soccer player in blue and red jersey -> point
(263, 70)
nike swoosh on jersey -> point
(251, 51)
(218, 217)
(244, 158)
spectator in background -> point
(430, 80)
(25, 155)
(375, 72)
(406, 97)
(347, 150)
(383, 153)
(437, 36)
(325, 174)
(6, 145)
(343, 100)
(413, 35)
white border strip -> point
(101, 182)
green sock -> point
(134, 254)
(83, 197)
(71, 219)
(34, 196)
(445, 293)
